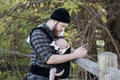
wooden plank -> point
(106, 60)
(88, 65)
(112, 74)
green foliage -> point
(71, 5)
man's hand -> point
(79, 52)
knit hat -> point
(61, 15)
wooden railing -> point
(105, 69)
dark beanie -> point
(61, 15)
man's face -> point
(59, 27)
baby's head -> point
(61, 46)
(62, 43)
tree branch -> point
(15, 52)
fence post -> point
(106, 60)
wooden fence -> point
(105, 69)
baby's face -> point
(62, 43)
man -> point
(43, 56)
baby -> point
(61, 70)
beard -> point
(55, 29)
